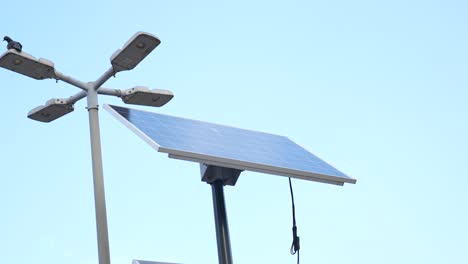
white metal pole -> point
(99, 195)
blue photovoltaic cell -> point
(214, 144)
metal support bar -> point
(108, 91)
(75, 98)
(218, 177)
(90, 90)
(98, 180)
(104, 77)
(82, 94)
(222, 229)
(70, 80)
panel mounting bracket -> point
(212, 173)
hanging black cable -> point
(295, 243)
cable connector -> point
(295, 246)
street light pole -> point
(99, 194)
(98, 177)
(133, 52)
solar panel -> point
(226, 146)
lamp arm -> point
(70, 80)
(104, 77)
(108, 91)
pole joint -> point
(92, 99)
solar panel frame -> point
(338, 179)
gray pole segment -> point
(108, 91)
(222, 229)
(98, 179)
(104, 77)
(75, 98)
(99, 195)
(70, 80)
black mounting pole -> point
(217, 177)
(222, 229)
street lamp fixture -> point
(141, 95)
(53, 109)
(23, 63)
(132, 53)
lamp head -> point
(26, 64)
(143, 96)
(53, 109)
(134, 51)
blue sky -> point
(376, 88)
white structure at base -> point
(135, 261)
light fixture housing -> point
(26, 64)
(134, 51)
(141, 95)
(53, 109)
